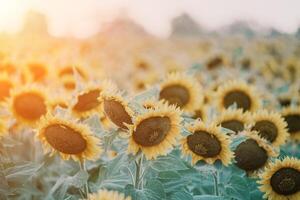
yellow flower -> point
(181, 90)
(281, 180)
(6, 85)
(292, 118)
(206, 143)
(271, 126)
(68, 137)
(155, 132)
(238, 92)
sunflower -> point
(155, 132)
(117, 109)
(215, 62)
(6, 85)
(206, 143)
(240, 93)
(292, 117)
(68, 82)
(68, 137)
(233, 119)
(281, 180)
(253, 154)
(87, 101)
(58, 102)
(107, 195)
(182, 91)
(8, 67)
(271, 126)
(3, 128)
(38, 72)
(28, 104)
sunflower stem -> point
(86, 186)
(138, 167)
(215, 175)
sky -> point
(83, 18)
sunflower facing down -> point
(271, 126)
(207, 143)
(181, 90)
(107, 195)
(292, 118)
(68, 137)
(155, 132)
(240, 93)
(28, 104)
(235, 120)
(281, 180)
(253, 154)
(117, 109)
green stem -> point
(216, 187)
(138, 167)
(86, 186)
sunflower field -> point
(128, 116)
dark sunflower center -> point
(65, 139)
(266, 129)
(152, 131)
(204, 144)
(117, 113)
(215, 63)
(286, 181)
(175, 95)
(233, 125)
(285, 102)
(250, 156)
(30, 106)
(241, 99)
(293, 122)
(87, 101)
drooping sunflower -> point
(155, 132)
(28, 104)
(181, 90)
(116, 109)
(233, 119)
(68, 137)
(281, 180)
(6, 85)
(292, 117)
(87, 101)
(238, 92)
(271, 126)
(207, 143)
(253, 154)
(108, 195)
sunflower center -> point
(285, 102)
(30, 105)
(117, 113)
(266, 129)
(152, 131)
(293, 122)
(233, 125)
(241, 99)
(5, 88)
(204, 144)
(65, 139)
(175, 95)
(87, 101)
(38, 71)
(250, 156)
(214, 63)
(286, 181)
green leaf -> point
(153, 190)
(21, 173)
(208, 197)
(181, 195)
(238, 188)
(166, 163)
